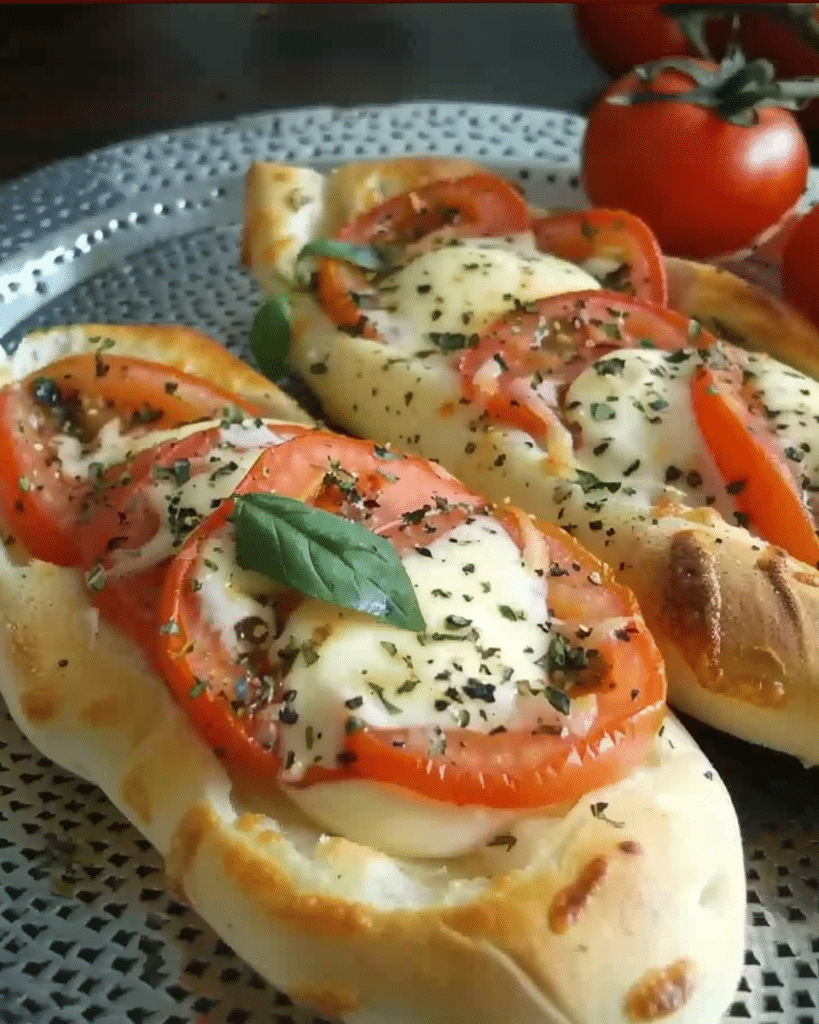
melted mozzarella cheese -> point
(791, 403)
(112, 446)
(398, 822)
(487, 637)
(181, 507)
(638, 429)
(231, 594)
(482, 655)
(463, 285)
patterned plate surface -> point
(148, 232)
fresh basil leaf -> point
(324, 556)
(367, 257)
(270, 337)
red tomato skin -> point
(488, 204)
(800, 277)
(704, 186)
(485, 769)
(619, 36)
(615, 230)
(622, 35)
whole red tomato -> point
(620, 36)
(705, 186)
(800, 266)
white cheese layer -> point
(398, 822)
(637, 428)
(112, 446)
(487, 636)
(790, 401)
(180, 503)
(476, 666)
(633, 409)
(233, 595)
(465, 284)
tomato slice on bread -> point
(626, 255)
(749, 459)
(126, 510)
(237, 700)
(191, 654)
(524, 361)
(74, 399)
(477, 205)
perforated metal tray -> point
(148, 231)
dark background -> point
(74, 78)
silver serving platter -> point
(148, 231)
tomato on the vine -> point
(705, 185)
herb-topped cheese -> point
(438, 299)
(789, 401)
(181, 494)
(633, 415)
(637, 430)
(481, 664)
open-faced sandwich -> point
(658, 410)
(405, 750)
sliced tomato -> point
(342, 475)
(630, 257)
(130, 604)
(751, 463)
(514, 769)
(525, 360)
(38, 500)
(120, 515)
(480, 204)
(520, 769)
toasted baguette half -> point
(612, 911)
(735, 619)
(743, 313)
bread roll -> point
(607, 912)
(744, 655)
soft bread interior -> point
(611, 912)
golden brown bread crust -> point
(182, 347)
(735, 625)
(735, 619)
(326, 928)
(356, 187)
(521, 932)
(282, 206)
(285, 206)
(742, 313)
